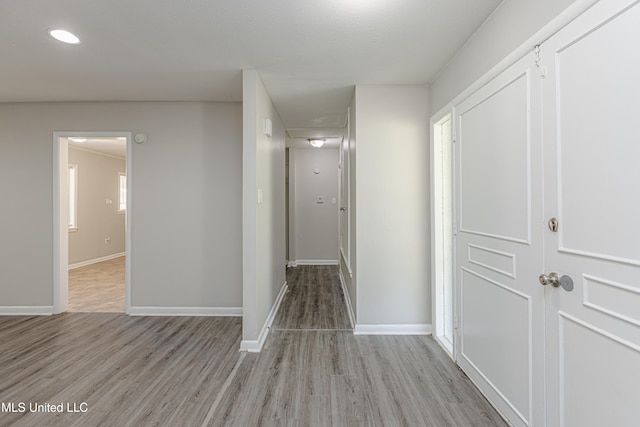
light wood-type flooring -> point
(187, 371)
(98, 287)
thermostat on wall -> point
(140, 138)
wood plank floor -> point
(98, 287)
(130, 371)
(187, 371)
(309, 375)
(314, 300)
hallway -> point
(313, 371)
(314, 301)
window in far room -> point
(73, 198)
(122, 192)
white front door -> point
(592, 178)
(498, 204)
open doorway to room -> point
(442, 232)
(92, 226)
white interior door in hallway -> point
(500, 303)
(554, 136)
(592, 147)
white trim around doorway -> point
(60, 236)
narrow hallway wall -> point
(314, 174)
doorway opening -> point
(92, 221)
(442, 232)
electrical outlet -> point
(107, 240)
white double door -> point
(556, 135)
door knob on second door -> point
(555, 280)
(552, 279)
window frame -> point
(122, 193)
(72, 186)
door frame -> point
(437, 295)
(60, 215)
(344, 197)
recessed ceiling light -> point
(63, 36)
(78, 140)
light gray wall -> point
(98, 180)
(186, 240)
(316, 224)
(264, 234)
(512, 23)
(392, 220)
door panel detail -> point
(597, 386)
(598, 159)
(614, 299)
(495, 196)
(506, 326)
(500, 262)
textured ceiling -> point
(310, 54)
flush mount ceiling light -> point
(63, 36)
(316, 142)
(78, 140)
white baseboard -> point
(254, 346)
(347, 298)
(26, 310)
(316, 262)
(292, 264)
(251, 346)
(410, 329)
(186, 311)
(96, 260)
(346, 263)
